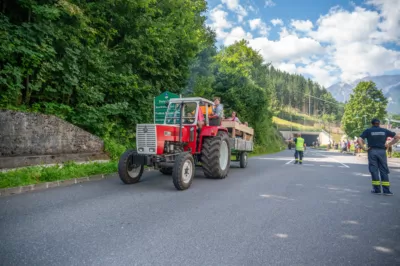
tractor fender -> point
(210, 131)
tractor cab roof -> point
(190, 99)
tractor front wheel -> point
(183, 172)
(215, 156)
(128, 172)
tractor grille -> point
(146, 139)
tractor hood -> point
(150, 138)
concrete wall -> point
(39, 136)
(322, 136)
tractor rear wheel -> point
(166, 171)
(128, 172)
(215, 156)
(183, 171)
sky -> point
(328, 41)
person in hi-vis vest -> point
(299, 143)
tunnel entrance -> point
(309, 138)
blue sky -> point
(327, 40)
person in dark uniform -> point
(377, 160)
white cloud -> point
(360, 59)
(302, 25)
(390, 12)
(342, 45)
(288, 67)
(260, 25)
(236, 34)
(276, 22)
(340, 26)
(320, 71)
(231, 4)
(289, 47)
(269, 3)
(219, 21)
(234, 6)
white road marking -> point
(350, 222)
(278, 159)
(346, 166)
(383, 249)
(341, 163)
(289, 161)
(275, 196)
(326, 165)
(349, 236)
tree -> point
(241, 82)
(97, 64)
(366, 102)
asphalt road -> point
(271, 213)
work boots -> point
(376, 190)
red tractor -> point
(178, 145)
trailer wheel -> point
(166, 171)
(183, 171)
(216, 155)
(128, 172)
(243, 159)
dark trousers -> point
(377, 164)
(298, 154)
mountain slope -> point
(390, 85)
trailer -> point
(241, 140)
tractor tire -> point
(215, 156)
(243, 159)
(183, 171)
(128, 173)
(166, 171)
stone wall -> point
(43, 136)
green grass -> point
(287, 125)
(396, 154)
(40, 174)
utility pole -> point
(309, 105)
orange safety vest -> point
(203, 109)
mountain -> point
(390, 85)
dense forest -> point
(98, 64)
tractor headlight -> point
(141, 149)
(151, 150)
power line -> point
(309, 95)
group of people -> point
(315, 144)
(216, 112)
(380, 142)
